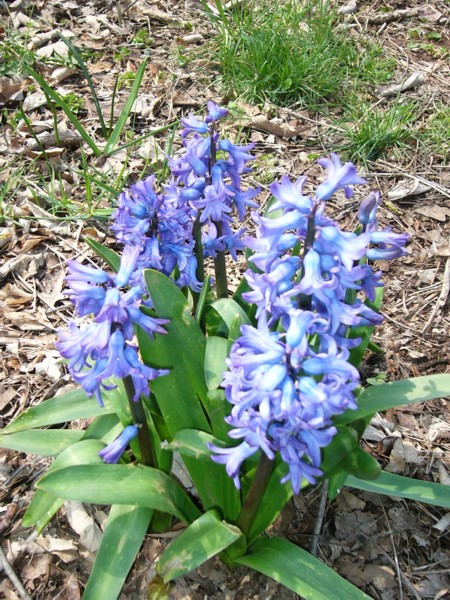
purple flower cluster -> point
(203, 189)
(103, 349)
(157, 231)
(208, 175)
(288, 376)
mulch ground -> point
(389, 548)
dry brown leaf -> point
(38, 568)
(181, 99)
(33, 101)
(434, 211)
(414, 80)
(408, 187)
(146, 105)
(281, 129)
(6, 395)
(25, 264)
(66, 550)
(84, 525)
(397, 461)
(50, 366)
(59, 48)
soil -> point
(390, 548)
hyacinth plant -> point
(257, 390)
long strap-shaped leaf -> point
(121, 484)
(67, 407)
(389, 395)
(42, 442)
(182, 350)
(44, 506)
(121, 540)
(299, 571)
(204, 538)
(390, 484)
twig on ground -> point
(445, 290)
(4, 564)
(319, 520)
(394, 550)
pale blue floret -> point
(112, 452)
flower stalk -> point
(255, 494)
(137, 411)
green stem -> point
(304, 300)
(138, 414)
(255, 494)
(220, 269)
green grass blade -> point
(65, 107)
(121, 484)
(67, 407)
(204, 538)
(397, 393)
(42, 442)
(299, 571)
(125, 530)
(390, 484)
(82, 65)
(137, 140)
(121, 121)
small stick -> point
(4, 564)
(319, 520)
(445, 290)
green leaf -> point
(59, 101)
(344, 442)
(44, 506)
(123, 535)
(218, 407)
(47, 442)
(389, 395)
(362, 465)
(215, 355)
(191, 442)
(202, 299)
(110, 257)
(211, 481)
(390, 484)
(204, 538)
(229, 310)
(67, 407)
(121, 484)
(104, 427)
(182, 350)
(298, 570)
(41, 510)
(122, 120)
